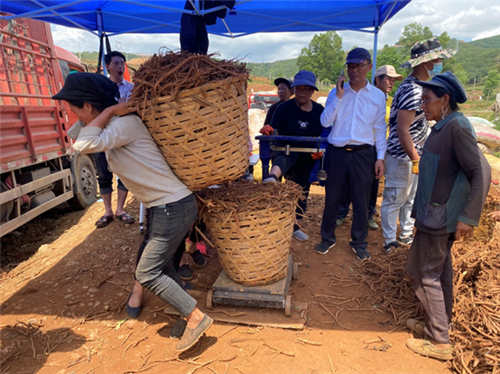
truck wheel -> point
(85, 187)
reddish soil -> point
(64, 285)
(262, 84)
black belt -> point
(355, 147)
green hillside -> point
(284, 68)
(477, 58)
(492, 42)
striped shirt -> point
(407, 97)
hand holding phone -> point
(340, 85)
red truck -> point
(38, 165)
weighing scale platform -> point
(275, 295)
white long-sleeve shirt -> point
(133, 155)
(357, 118)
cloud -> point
(464, 20)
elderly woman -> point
(453, 183)
(134, 157)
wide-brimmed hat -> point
(89, 88)
(427, 50)
(450, 83)
(305, 78)
(287, 82)
(389, 71)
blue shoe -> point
(133, 312)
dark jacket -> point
(454, 178)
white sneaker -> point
(299, 235)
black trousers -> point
(297, 167)
(357, 169)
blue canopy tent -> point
(116, 17)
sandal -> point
(104, 221)
(125, 218)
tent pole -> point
(375, 42)
(101, 44)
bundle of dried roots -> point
(168, 73)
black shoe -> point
(198, 259)
(185, 273)
(133, 312)
(388, 247)
(323, 248)
(362, 254)
(178, 329)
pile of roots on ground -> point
(475, 332)
(251, 227)
(168, 73)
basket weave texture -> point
(202, 132)
(253, 247)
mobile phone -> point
(342, 83)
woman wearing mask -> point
(408, 130)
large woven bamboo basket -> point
(203, 132)
(253, 247)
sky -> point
(463, 20)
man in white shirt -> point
(356, 112)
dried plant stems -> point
(168, 73)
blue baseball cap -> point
(450, 83)
(358, 56)
(304, 78)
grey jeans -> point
(399, 194)
(429, 268)
(168, 225)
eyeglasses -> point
(356, 66)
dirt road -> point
(62, 309)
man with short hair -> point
(385, 77)
(408, 130)
(356, 151)
(299, 116)
(115, 64)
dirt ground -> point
(65, 283)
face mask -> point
(436, 69)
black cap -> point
(358, 56)
(89, 88)
(287, 82)
(450, 83)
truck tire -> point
(85, 188)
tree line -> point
(475, 62)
